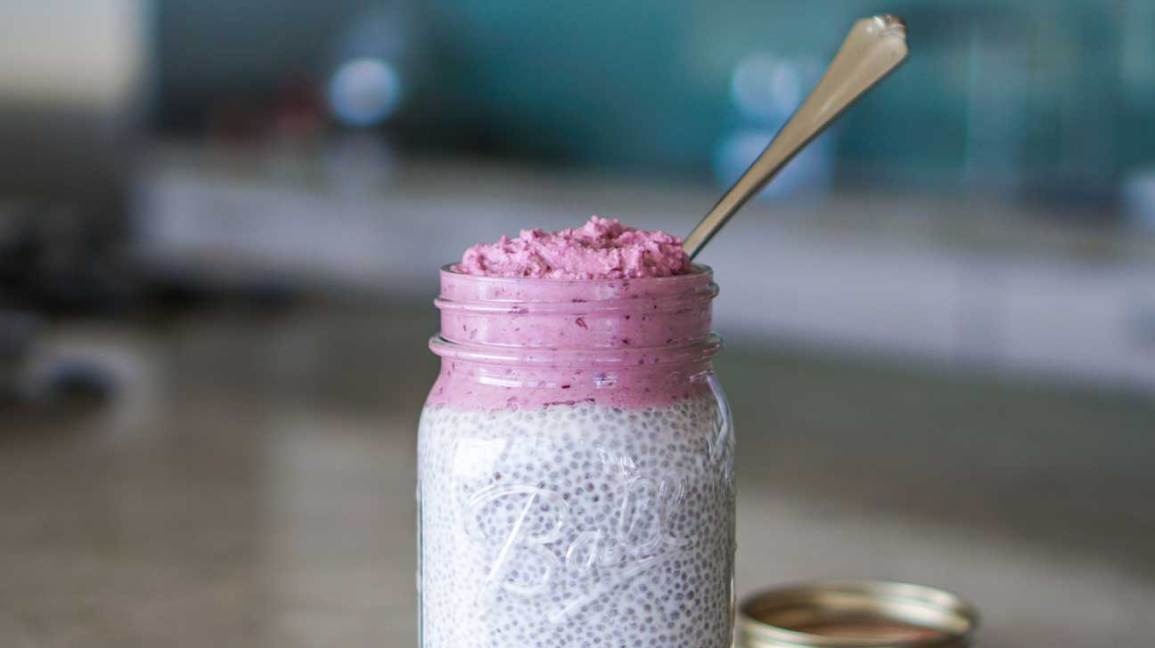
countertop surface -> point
(248, 480)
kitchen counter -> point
(248, 481)
(963, 280)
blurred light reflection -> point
(364, 92)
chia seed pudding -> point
(575, 461)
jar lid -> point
(859, 614)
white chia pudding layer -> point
(578, 525)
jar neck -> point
(540, 341)
(545, 315)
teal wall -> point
(1049, 97)
(1052, 96)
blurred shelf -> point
(957, 281)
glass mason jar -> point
(575, 463)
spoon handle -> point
(874, 48)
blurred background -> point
(221, 223)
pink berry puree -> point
(601, 249)
(527, 342)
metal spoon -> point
(873, 49)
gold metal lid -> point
(858, 614)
